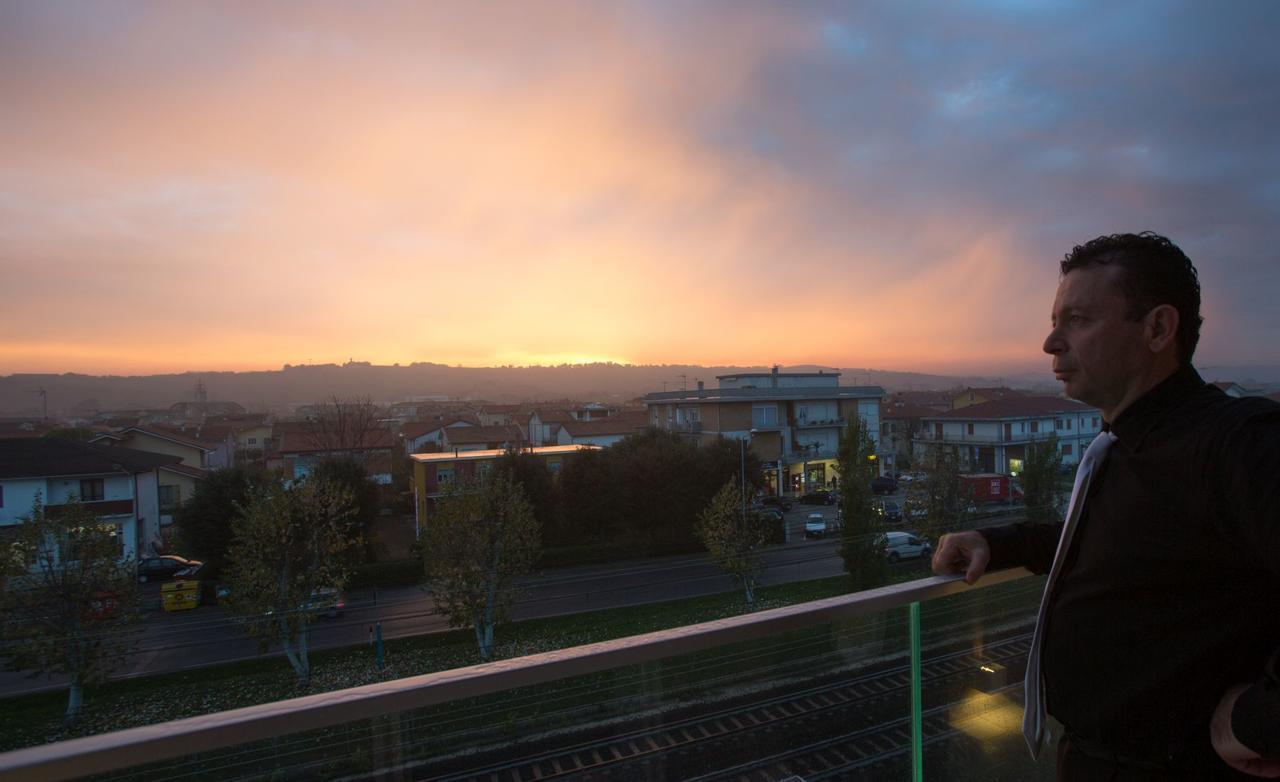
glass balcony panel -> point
(829, 701)
(974, 656)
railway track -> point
(852, 726)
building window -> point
(1066, 449)
(937, 431)
(91, 490)
(1035, 427)
(764, 415)
(970, 429)
(1, 496)
(1068, 423)
(444, 476)
(253, 441)
(170, 497)
(1057, 423)
(1095, 422)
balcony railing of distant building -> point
(818, 423)
(1015, 438)
(872, 646)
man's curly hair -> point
(1153, 272)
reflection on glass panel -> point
(973, 659)
(826, 702)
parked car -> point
(328, 602)
(889, 511)
(818, 498)
(164, 567)
(883, 485)
(903, 545)
(777, 502)
(815, 526)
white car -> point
(815, 526)
(903, 545)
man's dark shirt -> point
(1170, 593)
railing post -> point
(917, 726)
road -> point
(205, 636)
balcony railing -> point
(867, 684)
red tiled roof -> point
(906, 410)
(304, 441)
(471, 435)
(622, 423)
(1016, 407)
(419, 428)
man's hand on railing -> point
(962, 552)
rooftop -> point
(494, 453)
(47, 457)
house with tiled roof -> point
(177, 481)
(119, 485)
(480, 438)
(993, 436)
(500, 415)
(603, 432)
(298, 449)
(544, 424)
(423, 436)
(976, 396)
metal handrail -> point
(152, 743)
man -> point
(1160, 630)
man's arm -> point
(974, 552)
(1246, 725)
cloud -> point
(655, 183)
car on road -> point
(165, 567)
(897, 546)
(818, 498)
(769, 514)
(815, 526)
(783, 503)
(883, 485)
(889, 511)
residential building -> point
(177, 481)
(976, 396)
(900, 424)
(433, 472)
(422, 436)
(299, 451)
(993, 436)
(792, 420)
(603, 432)
(120, 485)
(480, 438)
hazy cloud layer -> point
(187, 186)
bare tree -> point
(344, 425)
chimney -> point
(774, 378)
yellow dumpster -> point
(180, 595)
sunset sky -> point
(239, 185)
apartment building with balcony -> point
(993, 436)
(792, 420)
(121, 486)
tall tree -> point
(1040, 491)
(350, 475)
(735, 537)
(590, 499)
(67, 600)
(537, 484)
(204, 521)
(290, 542)
(482, 537)
(856, 461)
(943, 494)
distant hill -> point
(282, 389)
(293, 385)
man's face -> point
(1097, 353)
